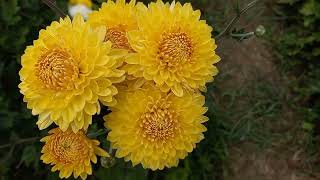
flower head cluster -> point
(149, 64)
(159, 115)
(65, 75)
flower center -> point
(68, 148)
(118, 38)
(174, 48)
(159, 122)
(57, 70)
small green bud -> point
(107, 162)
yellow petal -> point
(177, 90)
(90, 109)
(101, 152)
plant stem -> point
(110, 149)
(20, 141)
(236, 18)
(8, 156)
(31, 139)
(242, 35)
(54, 7)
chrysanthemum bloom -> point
(118, 17)
(66, 72)
(70, 152)
(174, 48)
(155, 128)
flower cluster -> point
(148, 64)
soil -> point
(284, 158)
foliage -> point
(20, 22)
(299, 50)
(301, 38)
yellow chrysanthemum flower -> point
(118, 17)
(155, 128)
(67, 71)
(70, 152)
(174, 48)
(87, 3)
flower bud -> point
(107, 162)
(260, 30)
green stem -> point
(236, 18)
(20, 141)
(110, 149)
(52, 4)
(31, 139)
(242, 35)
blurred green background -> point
(264, 106)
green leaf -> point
(307, 126)
(29, 155)
(311, 7)
(122, 171)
